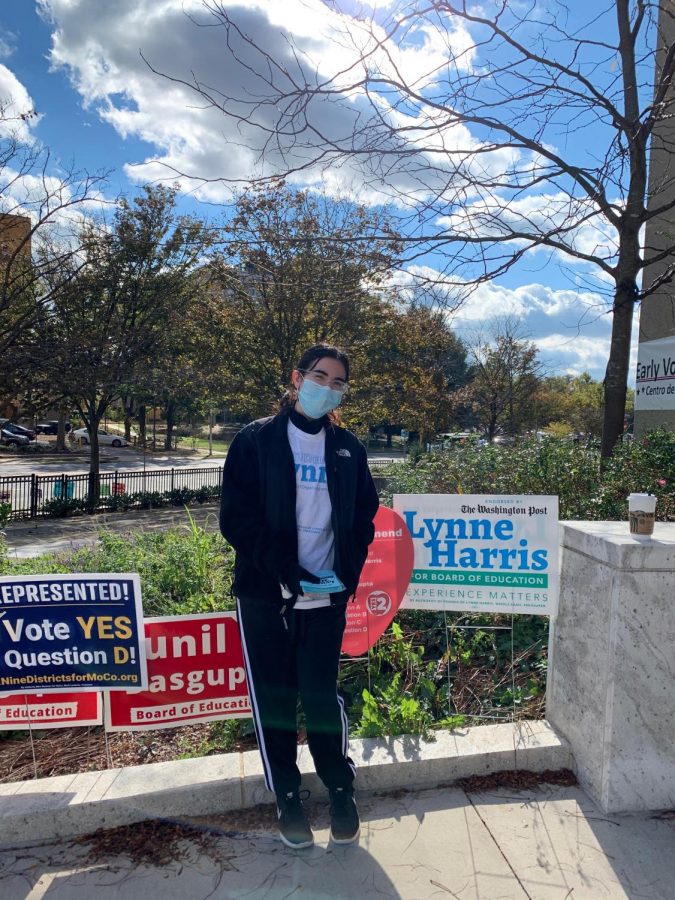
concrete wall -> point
(611, 683)
(657, 312)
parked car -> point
(19, 429)
(51, 427)
(104, 437)
(10, 439)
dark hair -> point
(311, 357)
(308, 361)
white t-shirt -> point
(313, 509)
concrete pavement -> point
(548, 843)
(422, 837)
(31, 537)
(111, 458)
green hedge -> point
(551, 466)
(182, 570)
(60, 507)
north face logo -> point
(342, 452)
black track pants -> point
(287, 663)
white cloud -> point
(53, 202)
(379, 4)
(29, 184)
(100, 46)
(15, 102)
(571, 328)
(575, 355)
(408, 158)
(579, 308)
(6, 45)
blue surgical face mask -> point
(317, 400)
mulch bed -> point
(519, 780)
(63, 751)
(154, 842)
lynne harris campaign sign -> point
(476, 553)
(70, 632)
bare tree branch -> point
(520, 135)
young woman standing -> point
(298, 499)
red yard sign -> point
(195, 674)
(384, 581)
(53, 709)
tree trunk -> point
(61, 430)
(93, 421)
(94, 471)
(141, 425)
(170, 414)
(616, 376)
(492, 424)
(128, 404)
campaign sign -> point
(482, 554)
(384, 580)
(71, 632)
(195, 674)
(655, 381)
(57, 709)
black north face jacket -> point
(257, 508)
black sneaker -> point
(344, 817)
(294, 828)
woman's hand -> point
(292, 574)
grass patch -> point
(219, 447)
(182, 570)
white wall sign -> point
(655, 380)
(476, 553)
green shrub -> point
(402, 691)
(222, 737)
(149, 499)
(140, 500)
(181, 496)
(62, 506)
(182, 570)
(5, 513)
(552, 466)
(114, 503)
(207, 492)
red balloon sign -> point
(384, 581)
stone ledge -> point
(70, 805)
(612, 544)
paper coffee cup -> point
(641, 513)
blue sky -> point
(79, 64)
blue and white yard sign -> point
(476, 553)
(71, 632)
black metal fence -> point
(40, 495)
(46, 495)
